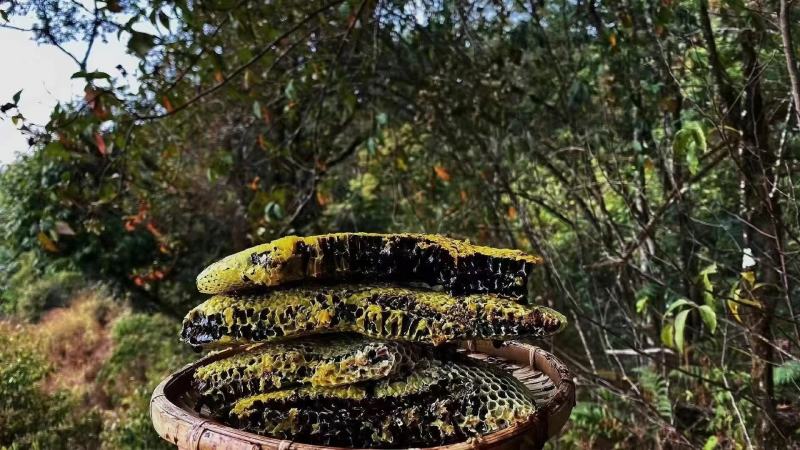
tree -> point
(645, 149)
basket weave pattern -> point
(174, 417)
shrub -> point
(76, 340)
(29, 416)
(145, 349)
(29, 292)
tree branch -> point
(724, 86)
(788, 51)
(239, 70)
(647, 230)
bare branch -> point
(239, 70)
(788, 51)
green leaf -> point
(709, 316)
(16, 96)
(692, 161)
(711, 443)
(706, 285)
(55, 150)
(786, 373)
(220, 166)
(371, 145)
(680, 327)
(90, 75)
(364, 185)
(667, 335)
(257, 109)
(641, 304)
(677, 304)
(689, 143)
(164, 19)
(107, 193)
(4, 15)
(273, 211)
(709, 269)
(141, 43)
(290, 91)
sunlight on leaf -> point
(667, 335)
(680, 328)
(46, 242)
(677, 304)
(709, 317)
(689, 143)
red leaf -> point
(512, 212)
(322, 199)
(101, 144)
(99, 111)
(442, 173)
(151, 227)
(167, 104)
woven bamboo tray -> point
(174, 418)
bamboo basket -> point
(174, 418)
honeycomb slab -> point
(382, 312)
(457, 266)
(437, 404)
(324, 361)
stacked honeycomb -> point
(345, 339)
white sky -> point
(43, 73)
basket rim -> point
(190, 429)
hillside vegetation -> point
(647, 150)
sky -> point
(43, 73)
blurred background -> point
(648, 150)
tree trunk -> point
(764, 236)
(762, 227)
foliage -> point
(145, 351)
(146, 348)
(32, 417)
(29, 292)
(82, 376)
(788, 374)
(129, 426)
(593, 425)
(647, 150)
(656, 388)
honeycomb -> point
(382, 312)
(461, 268)
(334, 357)
(439, 403)
(329, 361)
